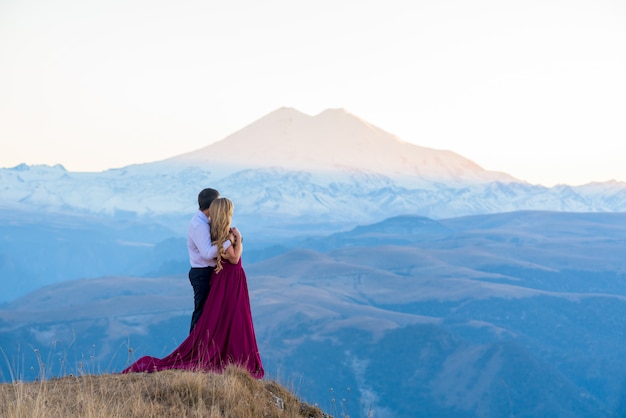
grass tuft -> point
(172, 393)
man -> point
(202, 255)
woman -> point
(224, 334)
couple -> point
(221, 332)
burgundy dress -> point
(223, 335)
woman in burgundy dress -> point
(224, 334)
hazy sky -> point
(534, 88)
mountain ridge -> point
(334, 139)
(290, 168)
(405, 312)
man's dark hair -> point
(206, 196)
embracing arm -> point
(202, 239)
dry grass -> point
(233, 394)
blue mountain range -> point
(437, 289)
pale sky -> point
(533, 88)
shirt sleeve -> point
(202, 239)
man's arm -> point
(202, 238)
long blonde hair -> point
(221, 211)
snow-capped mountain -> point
(334, 142)
(432, 308)
(288, 167)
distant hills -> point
(512, 314)
(411, 276)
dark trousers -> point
(200, 279)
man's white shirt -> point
(201, 252)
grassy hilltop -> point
(174, 393)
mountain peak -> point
(333, 140)
(333, 111)
(284, 112)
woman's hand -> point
(236, 233)
(233, 253)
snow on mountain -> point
(448, 292)
(290, 168)
(335, 140)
